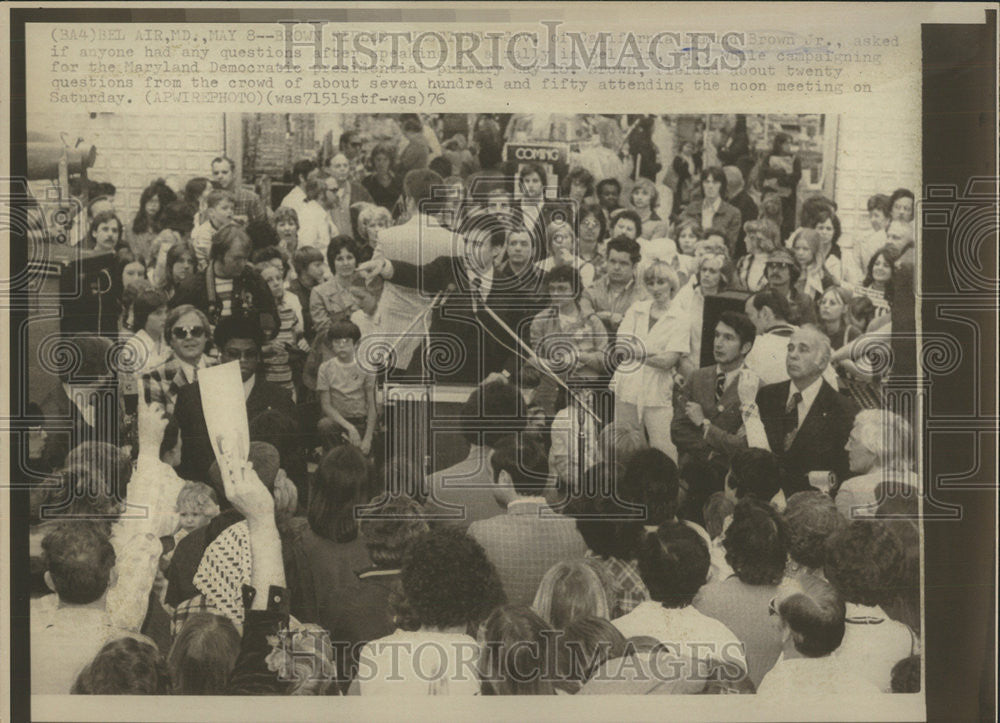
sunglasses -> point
(183, 332)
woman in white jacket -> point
(657, 336)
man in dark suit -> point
(807, 422)
(237, 339)
(710, 429)
(466, 343)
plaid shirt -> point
(164, 382)
(247, 203)
(524, 543)
(628, 589)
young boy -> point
(220, 206)
(277, 362)
(346, 392)
(310, 270)
(196, 507)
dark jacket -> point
(196, 449)
(468, 339)
(821, 437)
(251, 298)
(727, 219)
(722, 439)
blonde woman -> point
(657, 337)
(811, 250)
(644, 199)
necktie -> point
(720, 385)
(792, 415)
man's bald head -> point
(808, 355)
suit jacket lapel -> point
(813, 419)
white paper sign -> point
(224, 405)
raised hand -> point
(152, 421)
(242, 486)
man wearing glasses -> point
(186, 330)
(351, 145)
(782, 274)
(342, 192)
(237, 340)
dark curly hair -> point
(754, 472)
(811, 517)
(863, 561)
(448, 581)
(599, 517)
(126, 666)
(756, 543)
(674, 563)
(651, 478)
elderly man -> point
(343, 193)
(807, 422)
(879, 451)
(248, 208)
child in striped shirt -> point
(277, 360)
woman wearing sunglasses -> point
(187, 332)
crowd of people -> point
(662, 493)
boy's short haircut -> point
(343, 329)
(217, 196)
(197, 495)
(79, 558)
(267, 254)
(880, 202)
(305, 256)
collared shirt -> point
(808, 397)
(873, 643)
(295, 199)
(730, 375)
(248, 386)
(708, 212)
(247, 203)
(190, 371)
(602, 298)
